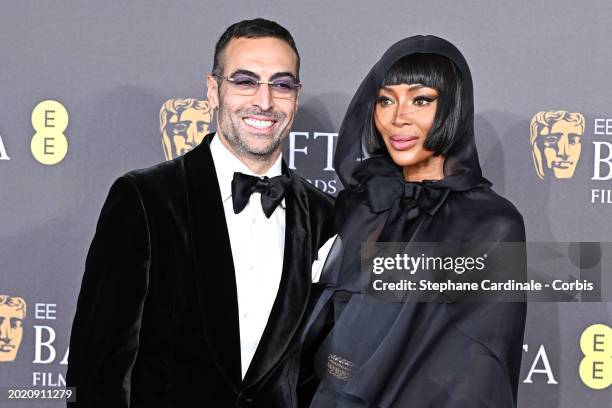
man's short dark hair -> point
(256, 28)
(434, 71)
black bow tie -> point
(272, 190)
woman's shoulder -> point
(487, 201)
(493, 212)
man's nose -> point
(563, 147)
(191, 133)
(5, 332)
(263, 97)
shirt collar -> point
(226, 164)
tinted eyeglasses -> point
(284, 87)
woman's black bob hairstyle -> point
(434, 71)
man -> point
(195, 290)
(12, 313)
(556, 142)
(183, 124)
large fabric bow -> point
(384, 191)
(405, 200)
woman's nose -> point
(403, 115)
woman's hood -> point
(461, 162)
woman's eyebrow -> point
(410, 87)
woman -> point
(407, 158)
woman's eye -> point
(422, 100)
(384, 101)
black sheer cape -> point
(408, 354)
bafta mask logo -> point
(183, 124)
(12, 313)
(556, 142)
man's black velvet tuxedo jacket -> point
(157, 317)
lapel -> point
(294, 289)
(214, 267)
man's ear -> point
(212, 92)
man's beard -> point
(229, 123)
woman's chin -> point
(402, 159)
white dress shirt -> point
(258, 245)
(317, 265)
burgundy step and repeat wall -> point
(90, 90)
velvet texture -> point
(370, 353)
(157, 317)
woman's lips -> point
(403, 142)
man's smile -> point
(261, 124)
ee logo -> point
(596, 367)
(50, 120)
